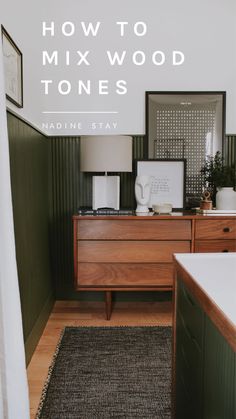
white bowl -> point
(162, 208)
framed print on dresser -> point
(168, 177)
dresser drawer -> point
(134, 230)
(125, 274)
(190, 311)
(215, 229)
(212, 246)
(130, 251)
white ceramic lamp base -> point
(106, 192)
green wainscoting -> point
(29, 180)
(219, 375)
(46, 170)
(70, 189)
(230, 149)
(205, 379)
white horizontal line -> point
(81, 112)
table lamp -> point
(106, 154)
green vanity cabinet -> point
(189, 355)
(219, 375)
(205, 364)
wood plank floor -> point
(77, 313)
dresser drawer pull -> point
(226, 230)
(225, 251)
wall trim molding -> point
(36, 333)
(68, 136)
(9, 110)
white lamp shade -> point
(106, 153)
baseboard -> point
(35, 334)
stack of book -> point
(215, 212)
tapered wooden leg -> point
(108, 298)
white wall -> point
(203, 30)
(14, 400)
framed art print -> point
(167, 180)
(13, 69)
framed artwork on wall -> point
(168, 178)
(13, 69)
(186, 124)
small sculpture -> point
(142, 193)
(206, 202)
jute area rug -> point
(109, 372)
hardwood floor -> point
(77, 313)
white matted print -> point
(167, 180)
(12, 60)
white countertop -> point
(215, 273)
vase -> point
(226, 199)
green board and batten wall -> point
(47, 189)
(29, 180)
(71, 189)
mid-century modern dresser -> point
(126, 253)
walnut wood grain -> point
(134, 230)
(130, 251)
(224, 325)
(125, 288)
(211, 246)
(75, 250)
(215, 229)
(192, 236)
(108, 248)
(185, 215)
(125, 274)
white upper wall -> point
(203, 30)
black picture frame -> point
(13, 69)
(176, 178)
(149, 94)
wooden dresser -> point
(126, 253)
(215, 235)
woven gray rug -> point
(109, 372)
